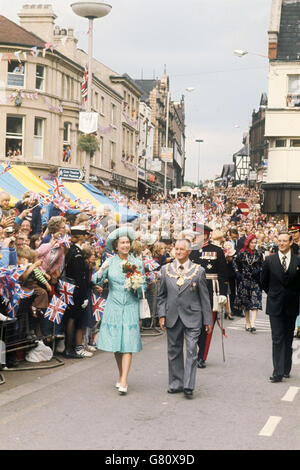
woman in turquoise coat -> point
(120, 326)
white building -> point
(282, 188)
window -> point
(113, 118)
(100, 152)
(102, 105)
(112, 152)
(38, 138)
(67, 133)
(67, 152)
(16, 74)
(295, 143)
(294, 84)
(14, 136)
(40, 78)
(96, 101)
(280, 143)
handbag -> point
(144, 307)
(217, 306)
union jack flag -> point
(84, 85)
(57, 186)
(6, 169)
(100, 242)
(12, 307)
(220, 206)
(65, 241)
(61, 204)
(44, 199)
(198, 219)
(66, 291)
(98, 306)
(110, 254)
(116, 196)
(150, 264)
(180, 204)
(56, 310)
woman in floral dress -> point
(248, 265)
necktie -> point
(284, 263)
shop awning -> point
(127, 214)
(20, 179)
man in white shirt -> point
(280, 279)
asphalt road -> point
(235, 407)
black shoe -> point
(201, 364)
(248, 329)
(172, 390)
(252, 330)
(228, 317)
(188, 393)
(72, 355)
(286, 376)
(275, 379)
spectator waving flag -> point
(150, 264)
(66, 291)
(56, 310)
(98, 306)
(116, 196)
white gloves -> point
(222, 299)
(85, 304)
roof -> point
(243, 152)
(228, 170)
(289, 34)
(146, 86)
(11, 33)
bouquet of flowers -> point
(134, 277)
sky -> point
(196, 40)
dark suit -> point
(283, 290)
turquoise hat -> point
(118, 233)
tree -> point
(88, 143)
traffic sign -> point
(244, 208)
(74, 174)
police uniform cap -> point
(79, 230)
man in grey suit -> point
(183, 309)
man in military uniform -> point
(294, 230)
(212, 259)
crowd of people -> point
(50, 245)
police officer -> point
(212, 259)
(75, 273)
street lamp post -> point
(240, 53)
(91, 11)
(200, 141)
(167, 145)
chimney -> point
(39, 20)
(65, 41)
(274, 28)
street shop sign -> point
(74, 174)
(166, 155)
